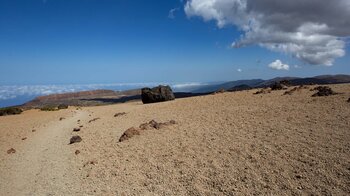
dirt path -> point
(44, 162)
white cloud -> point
(171, 14)
(278, 65)
(313, 31)
(239, 70)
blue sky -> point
(122, 41)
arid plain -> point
(233, 143)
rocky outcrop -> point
(323, 91)
(157, 94)
(131, 132)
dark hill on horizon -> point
(259, 83)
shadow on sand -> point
(138, 97)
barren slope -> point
(223, 144)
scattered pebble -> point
(33, 130)
(90, 163)
(263, 91)
(93, 120)
(11, 151)
(75, 139)
(76, 129)
(77, 152)
(24, 138)
(119, 114)
(62, 118)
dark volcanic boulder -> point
(157, 94)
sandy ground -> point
(224, 144)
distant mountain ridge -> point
(259, 83)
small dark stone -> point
(11, 151)
(62, 118)
(33, 130)
(77, 152)
(76, 129)
(263, 91)
(157, 94)
(349, 100)
(119, 114)
(92, 120)
(24, 138)
(75, 139)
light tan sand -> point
(224, 144)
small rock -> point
(129, 133)
(93, 120)
(263, 91)
(77, 152)
(75, 139)
(81, 126)
(76, 129)
(62, 118)
(119, 114)
(33, 130)
(90, 163)
(11, 151)
(349, 100)
(24, 138)
(298, 176)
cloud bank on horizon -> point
(313, 31)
